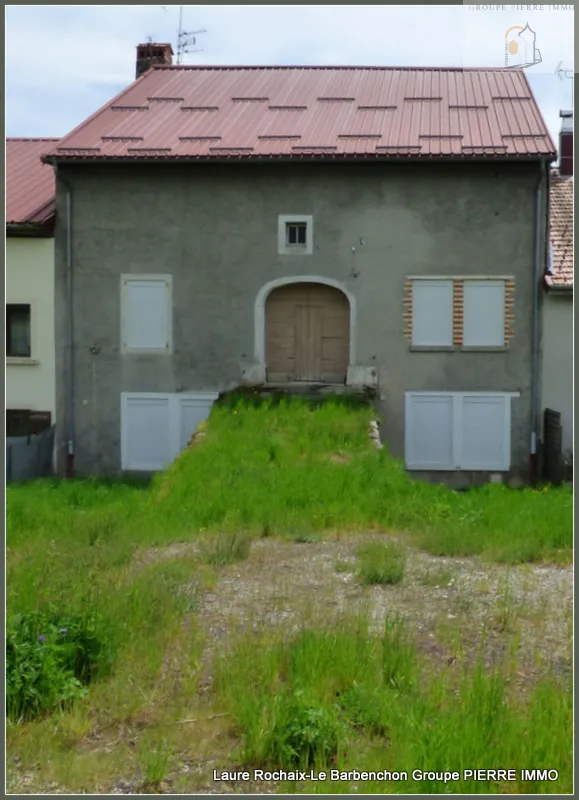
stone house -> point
(345, 226)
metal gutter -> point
(69, 380)
(237, 158)
(541, 248)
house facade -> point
(557, 389)
(30, 340)
(305, 225)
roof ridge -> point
(33, 139)
(178, 67)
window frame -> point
(128, 349)
(10, 356)
(283, 246)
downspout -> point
(69, 382)
(541, 252)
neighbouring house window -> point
(24, 422)
(18, 330)
(461, 312)
(458, 431)
(146, 313)
(432, 313)
(295, 234)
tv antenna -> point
(186, 39)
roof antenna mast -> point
(186, 39)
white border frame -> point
(259, 313)
(284, 249)
(168, 278)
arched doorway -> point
(307, 333)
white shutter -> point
(432, 313)
(484, 314)
(155, 428)
(485, 438)
(429, 431)
(194, 409)
(145, 432)
(146, 313)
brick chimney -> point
(150, 54)
(566, 143)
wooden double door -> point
(307, 334)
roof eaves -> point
(310, 156)
(43, 229)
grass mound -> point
(283, 464)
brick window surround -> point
(458, 307)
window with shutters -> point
(458, 431)
(146, 314)
(458, 313)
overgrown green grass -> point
(270, 468)
(381, 562)
(346, 699)
(267, 466)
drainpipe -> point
(69, 382)
(541, 250)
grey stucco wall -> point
(214, 228)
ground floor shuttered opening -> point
(156, 427)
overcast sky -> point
(64, 62)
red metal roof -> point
(29, 182)
(561, 231)
(185, 112)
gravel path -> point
(283, 584)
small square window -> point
(18, 330)
(296, 233)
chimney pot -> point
(566, 143)
(150, 54)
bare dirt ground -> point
(283, 584)
(447, 603)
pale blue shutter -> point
(429, 431)
(484, 314)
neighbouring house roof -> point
(560, 271)
(199, 112)
(30, 185)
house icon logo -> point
(520, 47)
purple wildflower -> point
(64, 630)
(42, 638)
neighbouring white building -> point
(30, 353)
